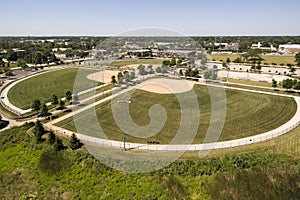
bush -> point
(75, 142)
(58, 145)
(53, 162)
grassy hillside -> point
(247, 176)
(247, 114)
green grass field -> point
(247, 82)
(45, 85)
(267, 58)
(247, 114)
(121, 63)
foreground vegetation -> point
(74, 174)
(247, 114)
(45, 85)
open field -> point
(121, 63)
(45, 85)
(247, 82)
(267, 58)
(247, 114)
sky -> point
(117, 17)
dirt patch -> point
(104, 77)
(167, 86)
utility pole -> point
(124, 101)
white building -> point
(289, 48)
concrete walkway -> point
(285, 128)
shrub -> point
(53, 162)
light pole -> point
(124, 101)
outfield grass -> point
(121, 63)
(45, 85)
(278, 59)
(247, 114)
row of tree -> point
(38, 132)
(287, 84)
(42, 108)
(123, 77)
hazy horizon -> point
(110, 18)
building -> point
(259, 46)
(289, 48)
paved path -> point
(285, 128)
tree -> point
(274, 83)
(297, 57)
(21, 63)
(228, 60)
(51, 137)
(173, 62)
(8, 72)
(207, 74)
(297, 86)
(126, 76)
(132, 75)
(38, 58)
(158, 70)
(38, 131)
(188, 72)
(210, 74)
(36, 105)
(288, 83)
(292, 69)
(58, 145)
(11, 55)
(54, 100)
(166, 63)
(225, 65)
(120, 76)
(113, 80)
(141, 69)
(61, 104)
(75, 98)
(75, 142)
(179, 61)
(44, 110)
(180, 72)
(69, 95)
